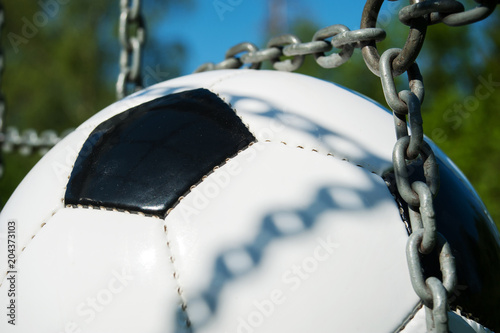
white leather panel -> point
(341, 253)
(40, 194)
(94, 271)
(315, 114)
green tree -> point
(463, 81)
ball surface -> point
(232, 201)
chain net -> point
(286, 53)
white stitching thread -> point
(176, 278)
(315, 150)
(29, 241)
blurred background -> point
(61, 65)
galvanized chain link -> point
(132, 33)
(450, 12)
(410, 146)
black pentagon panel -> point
(145, 158)
(462, 219)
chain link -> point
(435, 7)
(450, 12)
(389, 87)
(335, 59)
(249, 50)
(132, 33)
(437, 317)
(280, 43)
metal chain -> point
(418, 15)
(132, 33)
(29, 141)
(410, 146)
(336, 36)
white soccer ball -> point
(229, 201)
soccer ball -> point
(233, 201)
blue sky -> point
(212, 26)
